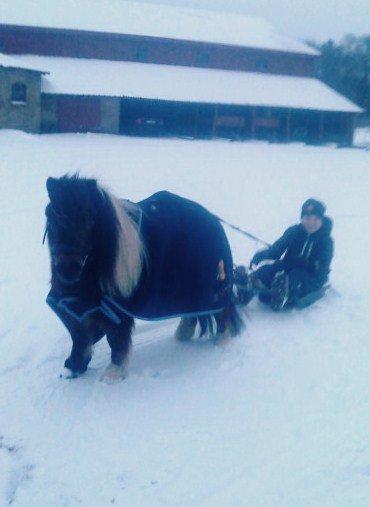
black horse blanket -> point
(188, 268)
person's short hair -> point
(313, 207)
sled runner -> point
(312, 297)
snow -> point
(131, 18)
(97, 77)
(361, 138)
(279, 417)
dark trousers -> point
(301, 282)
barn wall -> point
(109, 114)
(158, 118)
(49, 116)
(162, 118)
(337, 127)
(81, 44)
(15, 115)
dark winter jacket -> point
(298, 249)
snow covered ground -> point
(279, 417)
(362, 138)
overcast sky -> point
(305, 19)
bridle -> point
(60, 218)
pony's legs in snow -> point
(83, 338)
(229, 323)
(186, 328)
(119, 339)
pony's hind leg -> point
(229, 323)
(119, 339)
(186, 329)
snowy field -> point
(362, 138)
(279, 417)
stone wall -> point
(20, 115)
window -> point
(19, 93)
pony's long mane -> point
(130, 252)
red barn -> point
(145, 69)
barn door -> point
(79, 114)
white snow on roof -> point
(13, 61)
(100, 77)
(118, 16)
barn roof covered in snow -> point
(166, 82)
(118, 16)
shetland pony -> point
(115, 260)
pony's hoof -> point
(113, 374)
(68, 374)
(222, 340)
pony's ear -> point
(51, 187)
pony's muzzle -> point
(69, 267)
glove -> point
(257, 258)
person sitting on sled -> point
(302, 261)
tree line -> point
(345, 66)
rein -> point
(242, 231)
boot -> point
(243, 285)
(279, 291)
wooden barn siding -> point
(81, 44)
(237, 122)
(204, 120)
(106, 121)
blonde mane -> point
(130, 253)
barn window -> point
(262, 65)
(19, 93)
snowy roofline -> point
(11, 62)
(152, 20)
(151, 81)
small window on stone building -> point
(19, 93)
(262, 65)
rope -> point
(242, 231)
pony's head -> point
(86, 225)
(70, 221)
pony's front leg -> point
(80, 355)
(119, 339)
(83, 338)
